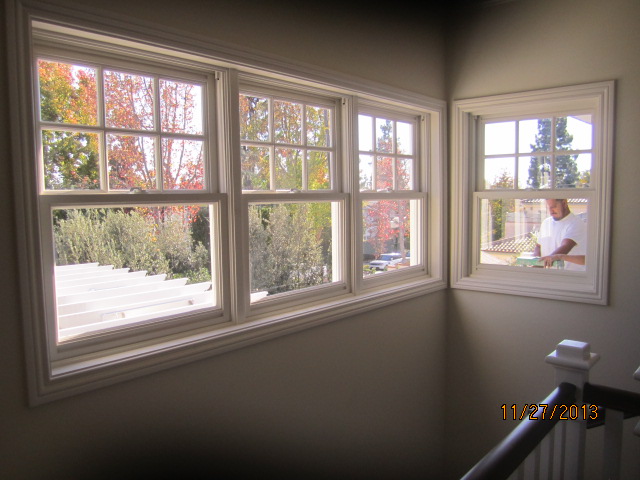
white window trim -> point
(89, 369)
(466, 272)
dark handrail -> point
(610, 398)
(505, 457)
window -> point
(290, 193)
(110, 134)
(390, 184)
(180, 204)
(532, 175)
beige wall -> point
(361, 395)
(497, 343)
(364, 394)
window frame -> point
(57, 373)
(417, 195)
(466, 270)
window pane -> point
(71, 160)
(118, 266)
(183, 164)
(499, 172)
(404, 140)
(404, 174)
(534, 172)
(67, 93)
(499, 138)
(584, 162)
(131, 162)
(318, 126)
(542, 137)
(527, 131)
(384, 135)
(365, 133)
(287, 119)
(318, 170)
(580, 128)
(255, 168)
(387, 235)
(366, 172)
(566, 171)
(288, 169)
(384, 173)
(510, 229)
(564, 139)
(181, 107)
(128, 100)
(254, 118)
(290, 247)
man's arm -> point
(564, 248)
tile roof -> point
(517, 244)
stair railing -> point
(549, 442)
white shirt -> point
(553, 232)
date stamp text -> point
(542, 411)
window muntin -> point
(103, 355)
(552, 154)
(529, 153)
(386, 149)
(391, 205)
(152, 136)
(107, 130)
(288, 147)
(537, 147)
(286, 144)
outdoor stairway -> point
(93, 297)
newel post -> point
(572, 361)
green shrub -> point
(131, 238)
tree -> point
(566, 168)
(284, 250)
(500, 208)
(71, 158)
(68, 95)
(386, 222)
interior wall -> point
(357, 397)
(497, 343)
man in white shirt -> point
(562, 232)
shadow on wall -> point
(196, 462)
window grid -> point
(106, 354)
(278, 150)
(160, 140)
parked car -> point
(386, 260)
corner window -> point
(532, 188)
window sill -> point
(85, 373)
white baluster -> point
(572, 361)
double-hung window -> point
(391, 192)
(532, 175)
(178, 203)
(125, 175)
(292, 196)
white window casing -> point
(469, 118)
(66, 356)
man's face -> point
(558, 209)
